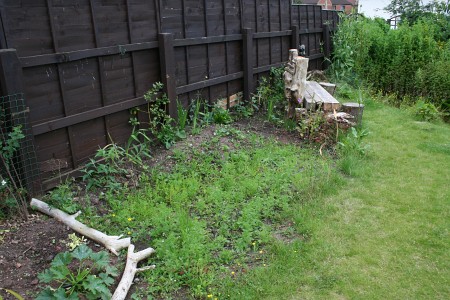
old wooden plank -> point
(60, 57)
(270, 34)
(295, 38)
(317, 95)
(207, 83)
(166, 54)
(266, 68)
(326, 45)
(86, 116)
(247, 61)
(206, 40)
(61, 82)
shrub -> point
(411, 61)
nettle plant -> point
(161, 125)
(81, 272)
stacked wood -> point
(317, 97)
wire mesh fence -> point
(18, 163)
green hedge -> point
(411, 62)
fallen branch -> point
(112, 243)
(130, 271)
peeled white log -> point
(130, 271)
(112, 243)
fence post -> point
(11, 84)
(326, 45)
(247, 38)
(295, 38)
(167, 63)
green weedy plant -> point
(182, 116)
(62, 197)
(221, 116)
(11, 188)
(352, 143)
(426, 111)
(81, 272)
(103, 170)
(161, 125)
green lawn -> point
(382, 235)
(244, 217)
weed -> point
(161, 125)
(221, 116)
(105, 168)
(353, 143)
(11, 188)
(309, 126)
(182, 116)
(90, 277)
(195, 116)
(62, 197)
(75, 241)
(245, 110)
(426, 111)
(197, 227)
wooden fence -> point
(83, 64)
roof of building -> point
(334, 2)
(310, 2)
(341, 2)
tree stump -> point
(295, 81)
(354, 109)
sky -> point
(374, 8)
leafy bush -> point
(411, 61)
(77, 273)
(426, 111)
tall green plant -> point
(411, 61)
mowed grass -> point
(257, 219)
(382, 235)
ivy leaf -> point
(81, 252)
(62, 259)
(101, 258)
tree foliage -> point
(411, 11)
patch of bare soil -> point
(27, 248)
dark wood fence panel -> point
(86, 63)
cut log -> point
(329, 87)
(130, 271)
(316, 96)
(112, 243)
(355, 109)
